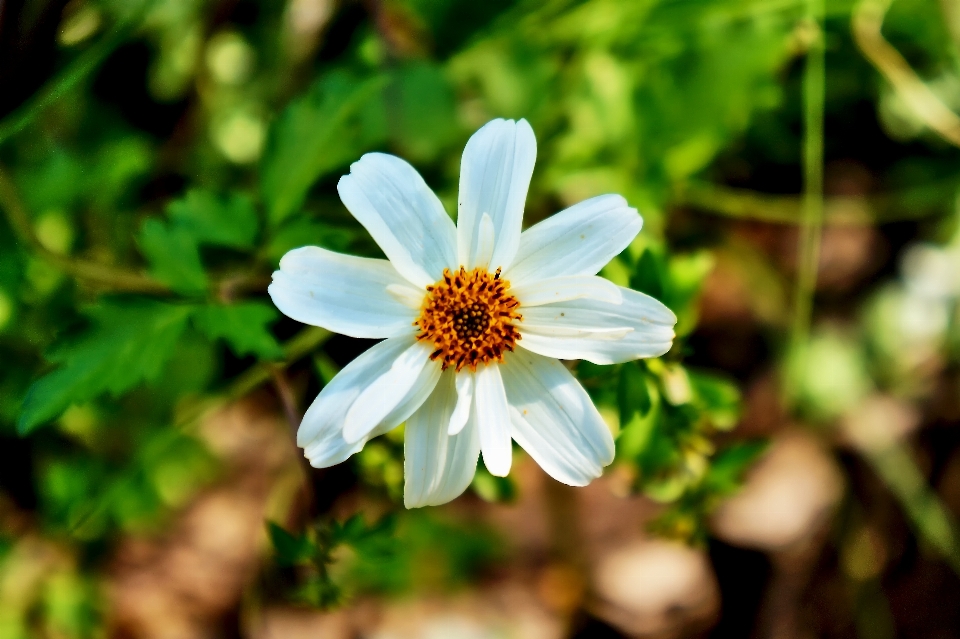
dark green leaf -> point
(129, 343)
(223, 220)
(633, 393)
(243, 326)
(173, 255)
(331, 126)
(729, 465)
(290, 550)
(648, 275)
(305, 231)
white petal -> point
(409, 373)
(390, 199)
(493, 420)
(563, 289)
(341, 293)
(407, 295)
(421, 390)
(576, 332)
(437, 467)
(587, 329)
(321, 430)
(486, 242)
(579, 240)
(494, 177)
(554, 420)
(465, 384)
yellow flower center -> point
(469, 316)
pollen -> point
(469, 317)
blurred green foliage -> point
(192, 145)
(401, 552)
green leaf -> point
(304, 231)
(633, 392)
(716, 396)
(356, 531)
(729, 465)
(687, 274)
(173, 255)
(224, 220)
(291, 550)
(648, 276)
(243, 326)
(493, 489)
(332, 125)
(423, 110)
(129, 343)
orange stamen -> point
(469, 317)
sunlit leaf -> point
(718, 397)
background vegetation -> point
(797, 168)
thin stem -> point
(754, 206)
(287, 398)
(808, 246)
(115, 279)
(920, 98)
(931, 519)
(225, 289)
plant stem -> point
(916, 95)
(911, 203)
(115, 279)
(930, 518)
(808, 246)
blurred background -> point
(790, 469)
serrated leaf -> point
(224, 220)
(290, 549)
(129, 343)
(173, 255)
(329, 127)
(243, 326)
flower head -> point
(474, 318)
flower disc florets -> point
(469, 316)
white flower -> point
(473, 319)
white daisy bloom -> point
(474, 318)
